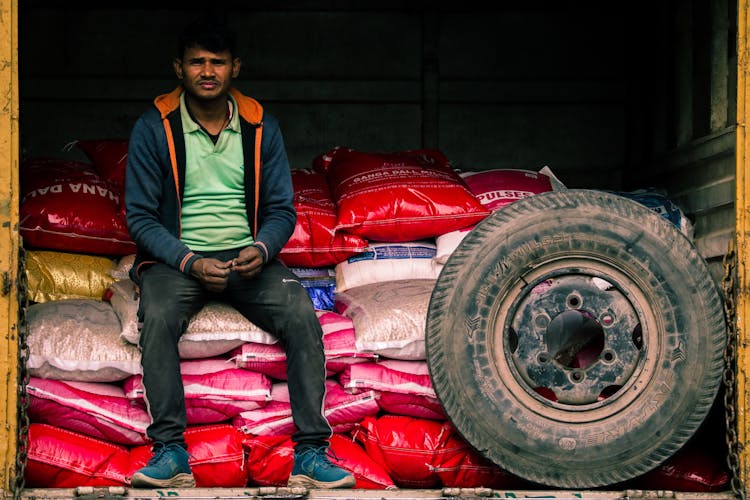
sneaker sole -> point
(300, 480)
(179, 481)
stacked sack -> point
(366, 246)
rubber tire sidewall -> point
(685, 336)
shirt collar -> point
(189, 125)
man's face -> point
(206, 75)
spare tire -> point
(576, 338)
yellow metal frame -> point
(742, 225)
(9, 239)
(9, 234)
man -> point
(209, 205)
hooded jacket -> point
(155, 183)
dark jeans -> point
(273, 300)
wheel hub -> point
(575, 339)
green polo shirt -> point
(213, 207)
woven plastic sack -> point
(109, 157)
(400, 196)
(215, 391)
(97, 410)
(216, 456)
(78, 340)
(661, 205)
(82, 214)
(62, 275)
(389, 317)
(410, 405)
(213, 379)
(58, 458)
(36, 173)
(320, 284)
(339, 344)
(343, 410)
(388, 262)
(315, 241)
(494, 189)
(215, 330)
(411, 450)
(270, 460)
(380, 377)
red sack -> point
(71, 209)
(700, 465)
(406, 447)
(109, 156)
(315, 241)
(469, 469)
(216, 456)
(400, 196)
(496, 188)
(270, 460)
(35, 173)
(59, 458)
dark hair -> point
(210, 32)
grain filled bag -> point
(58, 458)
(215, 390)
(270, 461)
(79, 340)
(342, 410)
(216, 456)
(494, 189)
(399, 196)
(98, 410)
(389, 317)
(54, 275)
(73, 210)
(215, 330)
(388, 262)
(315, 241)
(109, 157)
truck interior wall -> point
(611, 96)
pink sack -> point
(411, 405)
(98, 410)
(380, 377)
(58, 458)
(215, 390)
(315, 241)
(213, 378)
(338, 342)
(216, 456)
(343, 411)
(399, 196)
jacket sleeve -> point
(277, 216)
(154, 223)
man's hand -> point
(212, 273)
(249, 262)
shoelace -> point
(321, 458)
(158, 457)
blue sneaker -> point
(312, 469)
(168, 468)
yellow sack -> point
(60, 275)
